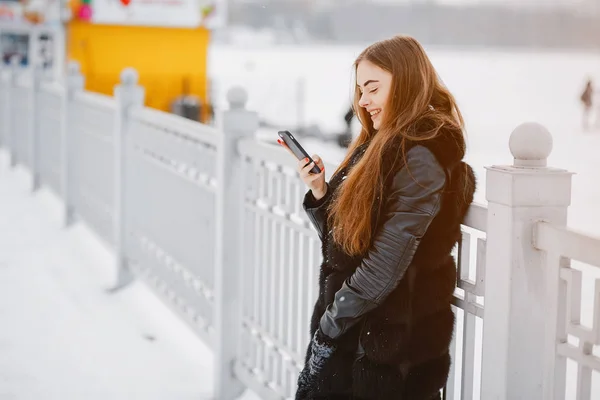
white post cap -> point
(530, 144)
(129, 76)
(237, 97)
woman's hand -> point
(315, 182)
(321, 350)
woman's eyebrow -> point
(368, 82)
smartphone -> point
(298, 150)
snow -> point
(63, 336)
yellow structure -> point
(170, 61)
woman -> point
(388, 220)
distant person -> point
(587, 100)
(388, 220)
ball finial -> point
(530, 144)
(237, 97)
(129, 76)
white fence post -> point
(515, 356)
(128, 95)
(58, 52)
(34, 127)
(12, 137)
(74, 83)
(237, 123)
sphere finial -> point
(237, 97)
(530, 144)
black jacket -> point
(388, 310)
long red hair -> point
(417, 94)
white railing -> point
(92, 161)
(283, 253)
(212, 220)
(465, 371)
(50, 106)
(170, 191)
(574, 318)
(21, 96)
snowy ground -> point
(62, 335)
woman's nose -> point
(363, 101)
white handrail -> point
(96, 100)
(53, 87)
(175, 123)
(567, 242)
(477, 217)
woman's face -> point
(374, 84)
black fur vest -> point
(400, 350)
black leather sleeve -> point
(317, 210)
(413, 201)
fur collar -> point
(448, 147)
